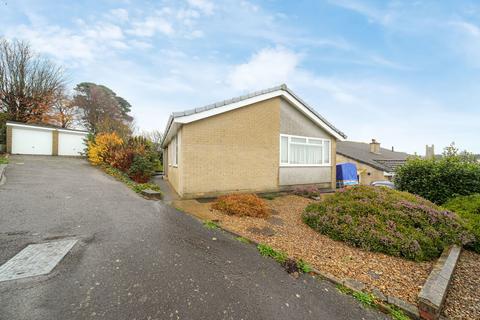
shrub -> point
(440, 179)
(134, 157)
(389, 221)
(242, 205)
(468, 207)
(307, 191)
(100, 147)
(142, 168)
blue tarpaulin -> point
(346, 175)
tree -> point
(63, 113)
(29, 84)
(101, 109)
(156, 137)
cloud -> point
(206, 6)
(466, 41)
(150, 26)
(119, 14)
(270, 66)
(372, 13)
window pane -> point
(299, 140)
(284, 150)
(297, 154)
(314, 154)
(176, 150)
(326, 152)
(315, 141)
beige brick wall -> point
(54, 143)
(9, 139)
(369, 174)
(233, 151)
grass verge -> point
(242, 239)
(210, 224)
(123, 177)
(3, 160)
(368, 300)
(267, 251)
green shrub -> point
(468, 207)
(142, 168)
(440, 179)
(389, 221)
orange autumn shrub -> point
(246, 204)
(100, 148)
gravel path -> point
(286, 231)
(463, 299)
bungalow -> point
(265, 141)
(373, 163)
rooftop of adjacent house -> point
(282, 87)
(383, 159)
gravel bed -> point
(463, 298)
(393, 276)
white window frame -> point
(289, 136)
(173, 152)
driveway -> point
(139, 259)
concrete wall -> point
(367, 174)
(233, 151)
(294, 122)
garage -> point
(44, 140)
(71, 143)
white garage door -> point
(71, 143)
(31, 141)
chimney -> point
(393, 150)
(429, 152)
(375, 146)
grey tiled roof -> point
(387, 160)
(244, 97)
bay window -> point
(304, 151)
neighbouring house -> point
(265, 141)
(44, 139)
(373, 162)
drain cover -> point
(35, 260)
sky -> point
(403, 72)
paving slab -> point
(35, 260)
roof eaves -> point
(248, 96)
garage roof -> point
(42, 126)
